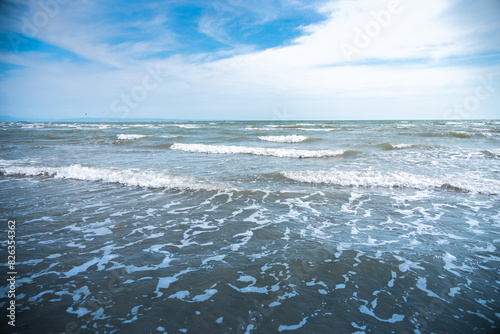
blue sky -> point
(235, 59)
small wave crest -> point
(128, 177)
(456, 134)
(390, 146)
(372, 179)
(130, 137)
(275, 152)
(317, 130)
(284, 139)
(187, 126)
(492, 153)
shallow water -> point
(265, 227)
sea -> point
(251, 227)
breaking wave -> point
(390, 146)
(372, 179)
(128, 177)
(492, 153)
(130, 137)
(457, 134)
(284, 139)
(275, 152)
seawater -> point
(253, 227)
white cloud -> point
(404, 71)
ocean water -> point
(253, 227)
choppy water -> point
(254, 227)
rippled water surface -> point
(253, 227)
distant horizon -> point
(5, 118)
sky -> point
(250, 60)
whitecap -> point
(396, 179)
(284, 139)
(130, 137)
(186, 126)
(276, 152)
(317, 130)
(128, 177)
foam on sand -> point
(284, 139)
(128, 177)
(276, 152)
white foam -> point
(164, 282)
(187, 126)
(293, 327)
(402, 145)
(422, 285)
(284, 139)
(81, 268)
(451, 267)
(395, 317)
(247, 236)
(251, 288)
(207, 295)
(317, 130)
(252, 128)
(130, 137)
(34, 299)
(80, 311)
(282, 153)
(493, 153)
(395, 179)
(147, 179)
(454, 291)
(214, 258)
(179, 295)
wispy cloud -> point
(218, 57)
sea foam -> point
(128, 177)
(395, 179)
(284, 139)
(276, 152)
(129, 137)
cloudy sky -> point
(244, 59)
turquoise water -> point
(254, 227)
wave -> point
(372, 179)
(259, 129)
(187, 126)
(390, 146)
(284, 139)
(128, 177)
(130, 137)
(494, 153)
(314, 129)
(276, 152)
(456, 134)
